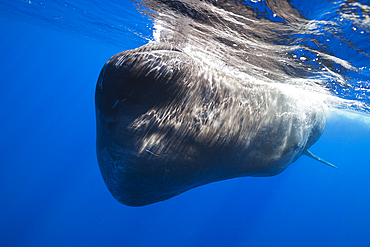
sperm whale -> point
(167, 123)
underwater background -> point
(52, 193)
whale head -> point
(167, 123)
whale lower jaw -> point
(311, 155)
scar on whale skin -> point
(167, 124)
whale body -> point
(167, 123)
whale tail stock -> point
(311, 155)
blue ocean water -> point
(52, 193)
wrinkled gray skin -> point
(166, 124)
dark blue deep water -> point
(51, 190)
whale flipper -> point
(311, 155)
